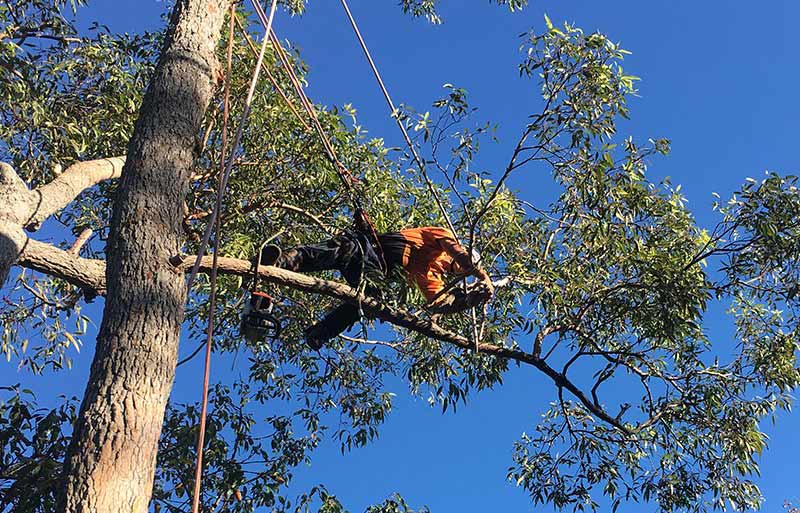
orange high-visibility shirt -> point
(426, 260)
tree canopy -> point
(606, 286)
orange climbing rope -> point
(213, 278)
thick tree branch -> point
(81, 272)
(90, 274)
(68, 185)
(405, 319)
(15, 205)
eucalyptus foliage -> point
(608, 284)
(427, 8)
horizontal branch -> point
(402, 318)
(82, 272)
(59, 193)
(21, 207)
(89, 273)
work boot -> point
(316, 336)
(270, 254)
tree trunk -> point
(111, 460)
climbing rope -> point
(413, 150)
(396, 116)
(271, 78)
(213, 277)
(214, 225)
(348, 180)
(237, 139)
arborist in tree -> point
(424, 255)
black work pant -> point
(353, 256)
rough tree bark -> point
(111, 460)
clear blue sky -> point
(719, 78)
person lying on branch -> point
(424, 255)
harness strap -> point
(364, 225)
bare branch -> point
(82, 272)
(68, 185)
(80, 241)
(543, 334)
(402, 318)
(394, 345)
